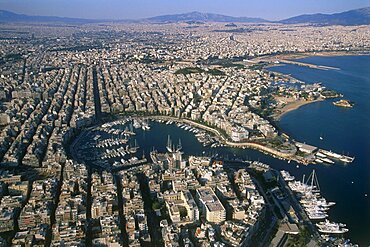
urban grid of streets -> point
(57, 80)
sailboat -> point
(179, 146)
(134, 148)
(169, 144)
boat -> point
(346, 159)
(328, 227)
(136, 124)
(286, 175)
(179, 146)
(316, 215)
(331, 154)
(169, 144)
(317, 202)
(145, 126)
(321, 155)
(324, 153)
(326, 160)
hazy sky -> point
(134, 9)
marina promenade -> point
(324, 156)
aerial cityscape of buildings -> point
(62, 83)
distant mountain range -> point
(352, 17)
(202, 17)
(7, 16)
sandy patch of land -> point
(290, 104)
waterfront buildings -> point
(57, 80)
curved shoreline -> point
(293, 106)
(275, 117)
(250, 145)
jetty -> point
(313, 66)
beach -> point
(291, 106)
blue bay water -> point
(343, 131)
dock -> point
(313, 66)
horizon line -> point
(174, 13)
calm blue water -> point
(343, 130)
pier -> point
(272, 61)
(313, 66)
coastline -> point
(321, 53)
(276, 116)
(251, 145)
(297, 106)
(318, 123)
(293, 106)
(292, 58)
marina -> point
(117, 135)
(315, 206)
(187, 128)
(114, 145)
(212, 138)
(318, 118)
(344, 131)
(204, 137)
(108, 136)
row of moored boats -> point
(315, 206)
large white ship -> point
(331, 227)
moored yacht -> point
(331, 227)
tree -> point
(183, 212)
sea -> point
(345, 131)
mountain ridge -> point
(203, 17)
(8, 16)
(352, 17)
